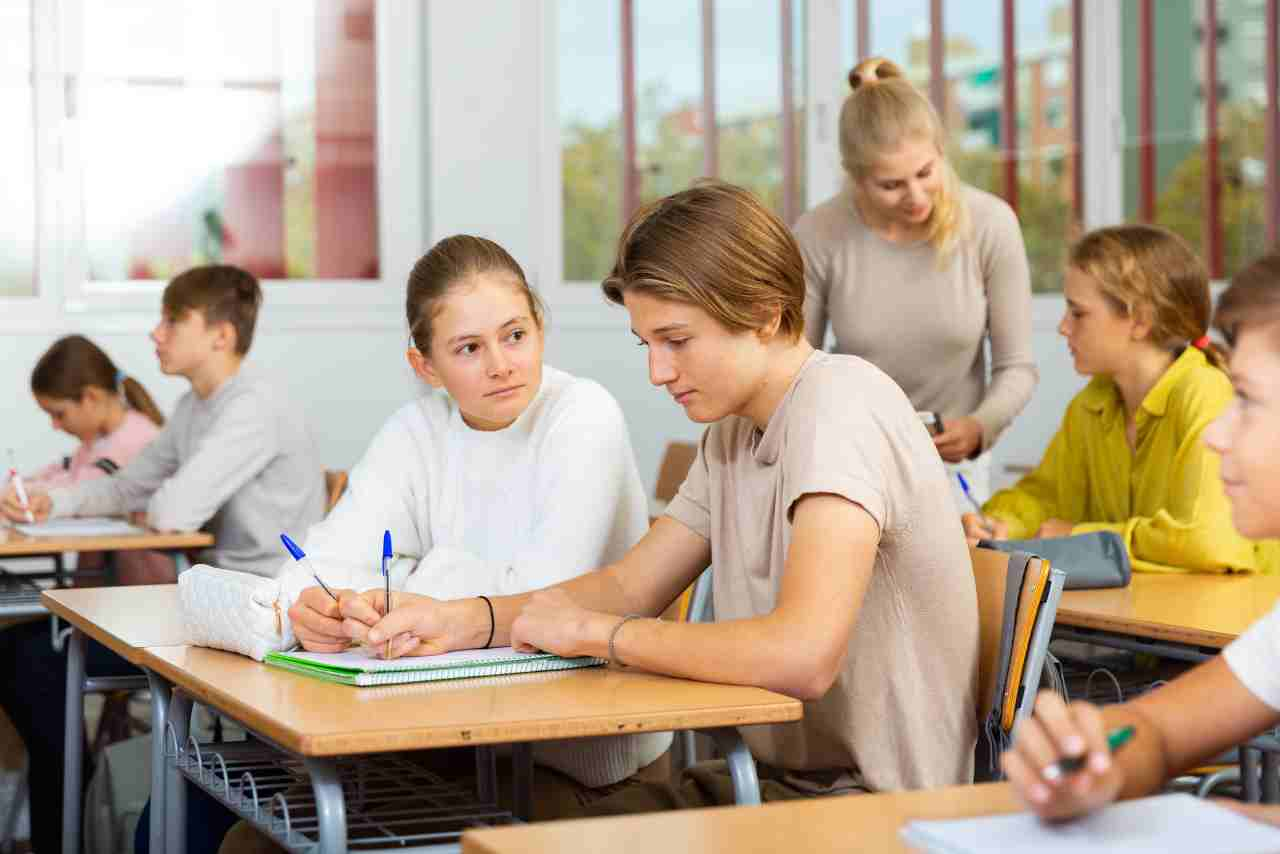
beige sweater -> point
(924, 326)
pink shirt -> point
(119, 446)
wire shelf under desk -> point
(391, 800)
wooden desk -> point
(13, 543)
(849, 823)
(312, 717)
(319, 721)
(1201, 613)
(123, 619)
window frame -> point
(66, 298)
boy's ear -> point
(224, 337)
(423, 368)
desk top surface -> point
(14, 543)
(853, 822)
(1197, 609)
(124, 619)
(313, 717)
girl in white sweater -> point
(509, 477)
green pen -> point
(1115, 740)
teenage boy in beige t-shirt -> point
(842, 576)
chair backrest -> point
(1017, 603)
(335, 483)
(676, 460)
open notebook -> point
(357, 667)
(1159, 825)
(81, 526)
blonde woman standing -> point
(916, 272)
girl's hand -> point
(1055, 528)
(1058, 731)
(317, 620)
(959, 439)
(39, 502)
(553, 622)
(417, 625)
(983, 528)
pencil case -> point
(235, 611)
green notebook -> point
(357, 667)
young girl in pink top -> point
(86, 396)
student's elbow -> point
(808, 677)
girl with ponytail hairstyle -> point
(1130, 456)
(917, 272)
(86, 396)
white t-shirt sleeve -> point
(1254, 658)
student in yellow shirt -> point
(1228, 699)
(1128, 457)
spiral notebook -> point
(357, 667)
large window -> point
(653, 95)
(18, 220)
(1196, 106)
(240, 132)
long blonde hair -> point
(884, 109)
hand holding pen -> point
(24, 503)
(316, 617)
(977, 525)
(1061, 763)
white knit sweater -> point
(552, 496)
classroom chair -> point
(335, 483)
(1018, 598)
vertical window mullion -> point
(1273, 122)
(1146, 112)
(788, 124)
(1212, 224)
(937, 60)
(710, 130)
(862, 37)
(1077, 110)
(630, 174)
(1009, 103)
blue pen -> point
(964, 487)
(299, 555)
(386, 575)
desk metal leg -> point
(1249, 774)
(331, 810)
(73, 744)
(1270, 778)
(175, 799)
(159, 768)
(522, 780)
(742, 767)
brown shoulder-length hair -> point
(1252, 299)
(1145, 267)
(75, 363)
(715, 246)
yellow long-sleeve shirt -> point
(1164, 498)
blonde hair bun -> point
(872, 70)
